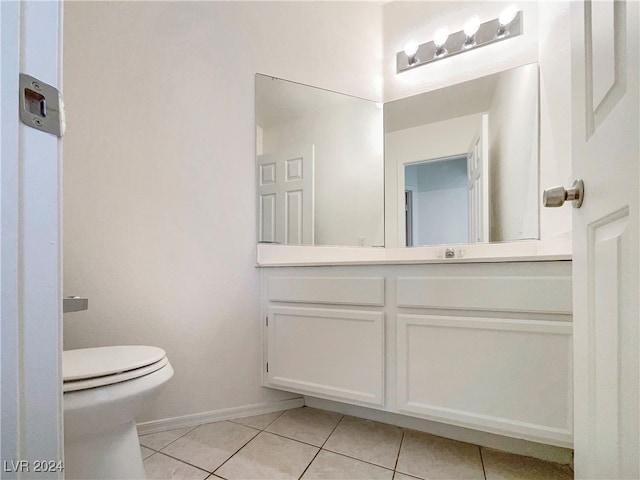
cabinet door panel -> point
(327, 352)
(499, 375)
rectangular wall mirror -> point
(462, 162)
(320, 166)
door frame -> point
(30, 239)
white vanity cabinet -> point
(481, 346)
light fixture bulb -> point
(440, 38)
(507, 16)
(411, 48)
(471, 27)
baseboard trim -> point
(155, 426)
(527, 448)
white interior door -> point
(605, 154)
(286, 197)
(30, 331)
(478, 172)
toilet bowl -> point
(104, 389)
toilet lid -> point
(91, 363)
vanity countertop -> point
(270, 255)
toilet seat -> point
(96, 367)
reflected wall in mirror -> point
(320, 167)
(461, 163)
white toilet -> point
(104, 389)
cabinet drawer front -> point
(539, 294)
(334, 290)
(329, 352)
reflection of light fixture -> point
(439, 39)
(473, 36)
(507, 16)
(410, 50)
(470, 30)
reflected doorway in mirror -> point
(436, 201)
(503, 183)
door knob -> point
(556, 196)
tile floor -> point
(315, 444)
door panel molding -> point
(612, 374)
(606, 59)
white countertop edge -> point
(269, 255)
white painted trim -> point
(9, 144)
(518, 446)
(304, 255)
(32, 402)
(155, 426)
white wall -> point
(348, 169)
(555, 105)
(545, 40)
(513, 155)
(159, 194)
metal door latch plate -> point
(41, 106)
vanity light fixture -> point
(470, 29)
(474, 35)
(410, 50)
(504, 20)
(439, 41)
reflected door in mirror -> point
(340, 201)
(285, 191)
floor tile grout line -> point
(212, 474)
(236, 420)
(188, 463)
(281, 436)
(183, 461)
(358, 459)
(309, 464)
(349, 456)
(302, 441)
(484, 472)
(293, 439)
(175, 439)
(271, 423)
(200, 468)
(321, 447)
(332, 431)
(395, 466)
(234, 453)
